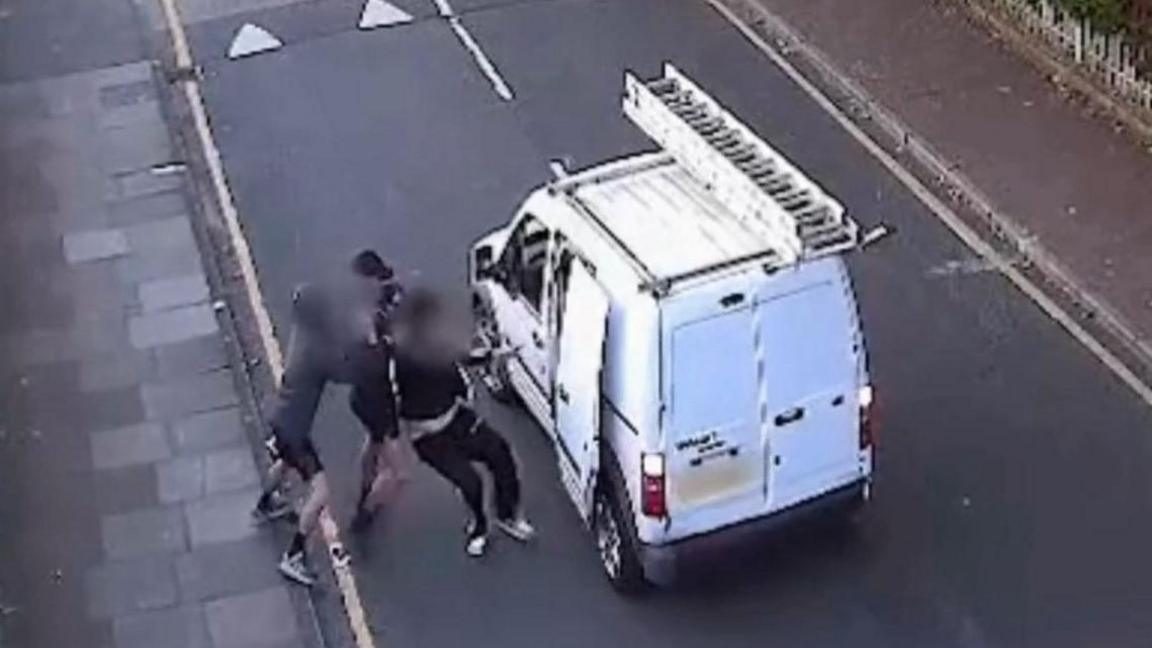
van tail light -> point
(867, 417)
(653, 502)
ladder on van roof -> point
(755, 182)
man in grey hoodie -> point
(339, 335)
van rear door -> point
(715, 457)
(810, 373)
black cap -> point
(368, 263)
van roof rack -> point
(794, 216)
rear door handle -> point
(562, 394)
(537, 340)
(789, 416)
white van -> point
(683, 327)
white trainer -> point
(476, 546)
(293, 567)
(517, 528)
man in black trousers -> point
(436, 413)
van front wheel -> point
(615, 546)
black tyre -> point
(616, 546)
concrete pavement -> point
(126, 468)
(1011, 487)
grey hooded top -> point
(338, 335)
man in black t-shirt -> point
(436, 413)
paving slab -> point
(180, 479)
(174, 325)
(252, 620)
(180, 397)
(176, 627)
(199, 355)
(165, 294)
(159, 263)
(221, 518)
(135, 444)
(129, 586)
(137, 147)
(152, 531)
(124, 490)
(207, 431)
(145, 209)
(229, 470)
(227, 569)
(127, 93)
(161, 235)
(116, 370)
(83, 247)
(99, 330)
(134, 184)
(106, 409)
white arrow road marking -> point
(251, 39)
(378, 13)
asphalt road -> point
(1013, 497)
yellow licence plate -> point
(712, 480)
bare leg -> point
(271, 505)
(276, 473)
(383, 472)
(314, 504)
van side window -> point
(525, 259)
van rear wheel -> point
(616, 547)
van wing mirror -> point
(483, 266)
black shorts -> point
(375, 406)
(301, 456)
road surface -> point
(1012, 494)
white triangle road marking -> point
(251, 39)
(378, 13)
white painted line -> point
(252, 39)
(486, 66)
(345, 581)
(378, 13)
(943, 211)
(482, 60)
